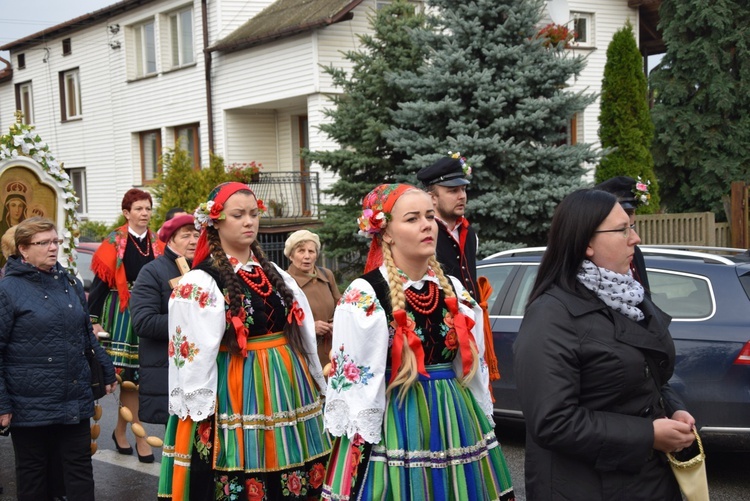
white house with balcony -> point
(242, 78)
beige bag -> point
(691, 474)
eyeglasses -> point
(47, 243)
(625, 232)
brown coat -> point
(323, 295)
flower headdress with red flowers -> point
(212, 210)
(376, 212)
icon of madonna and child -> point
(22, 196)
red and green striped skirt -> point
(266, 440)
(437, 444)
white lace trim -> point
(198, 404)
(368, 423)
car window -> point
(84, 268)
(498, 276)
(681, 295)
(524, 290)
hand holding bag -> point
(691, 474)
(98, 385)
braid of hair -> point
(407, 373)
(232, 284)
(447, 287)
(291, 329)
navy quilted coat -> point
(44, 376)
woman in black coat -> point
(45, 380)
(592, 360)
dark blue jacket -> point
(149, 311)
(44, 375)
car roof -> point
(716, 255)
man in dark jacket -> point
(457, 241)
(630, 197)
(149, 310)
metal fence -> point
(288, 195)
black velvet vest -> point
(458, 263)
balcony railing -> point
(289, 196)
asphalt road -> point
(121, 477)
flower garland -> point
(22, 141)
(372, 222)
(641, 191)
(464, 165)
(208, 212)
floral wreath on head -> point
(208, 212)
(464, 165)
(640, 191)
(374, 218)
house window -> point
(78, 179)
(181, 37)
(583, 27)
(70, 95)
(145, 49)
(150, 146)
(66, 47)
(187, 137)
(25, 102)
(21, 61)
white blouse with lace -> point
(355, 400)
(197, 321)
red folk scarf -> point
(107, 261)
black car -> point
(708, 297)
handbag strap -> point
(694, 461)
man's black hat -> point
(622, 187)
(445, 172)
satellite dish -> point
(558, 11)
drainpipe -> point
(207, 65)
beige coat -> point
(323, 295)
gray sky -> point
(22, 18)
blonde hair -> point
(8, 242)
(407, 372)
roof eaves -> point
(344, 14)
(75, 24)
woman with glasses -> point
(45, 380)
(592, 362)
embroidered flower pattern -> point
(256, 489)
(197, 294)
(180, 350)
(227, 489)
(317, 475)
(203, 440)
(356, 450)
(294, 483)
(362, 300)
(345, 373)
(467, 299)
(641, 191)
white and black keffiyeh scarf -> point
(620, 292)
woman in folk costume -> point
(408, 392)
(244, 375)
(116, 264)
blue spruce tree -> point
(492, 89)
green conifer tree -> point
(624, 120)
(493, 91)
(702, 103)
(358, 119)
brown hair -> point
(135, 195)
(25, 230)
(234, 292)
